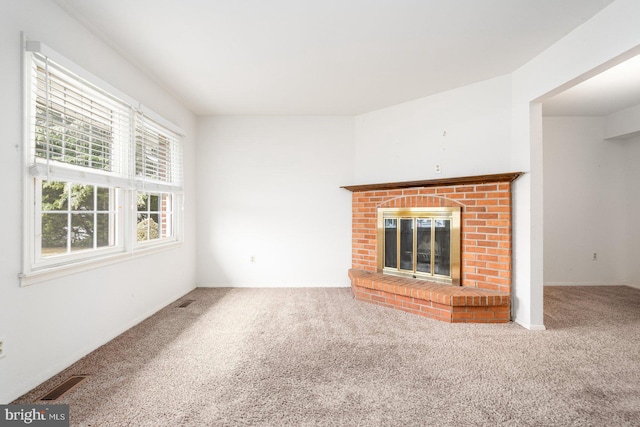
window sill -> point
(51, 273)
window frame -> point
(148, 211)
(124, 184)
(41, 261)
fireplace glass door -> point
(406, 244)
(420, 243)
(423, 257)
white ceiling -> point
(325, 56)
(610, 91)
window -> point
(104, 174)
(75, 218)
(155, 216)
(157, 172)
(420, 243)
(157, 153)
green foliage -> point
(73, 140)
(142, 201)
(58, 199)
(147, 230)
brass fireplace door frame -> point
(447, 213)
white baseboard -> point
(584, 284)
(272, 285)
(529, 326)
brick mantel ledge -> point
(442, 182)
(434, 300)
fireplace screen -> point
(420, 243)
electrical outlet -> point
(2, 347)
(252, 259)
(595, 256)
(438, 168)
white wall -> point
(632, 180)
(270, 188)
(465, 130)
(48, 326)
(608, 37)
(585, 199)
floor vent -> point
(63, 388)
(186, 303)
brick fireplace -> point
(484, 294)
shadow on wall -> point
(156, 335)
(210, 271)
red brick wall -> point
(485, 220)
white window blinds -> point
(75, 124)
(79, 130)
(158, 155)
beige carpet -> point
(317, 357)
